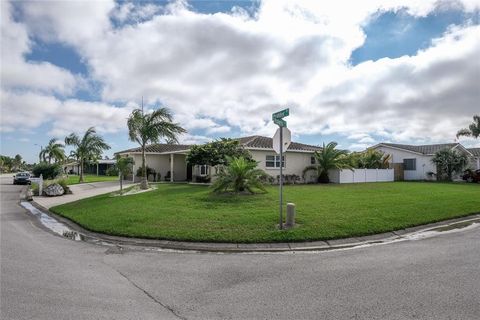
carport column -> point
(97, 168)
(171, 167)
(478, 163)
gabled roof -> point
(426, 149)
(259, 142)
(474, 151)
(159, 148)
(250, 142)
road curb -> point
(254, 247)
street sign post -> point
(277, 119)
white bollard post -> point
(290, 215)
(40, 185)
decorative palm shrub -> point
(327, 159)
(240, 175)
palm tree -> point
(329, 158)
(374, 159)
(54, 150)
(448, 162)
(124, 165)
(473, 129)
(150, 128)
(90, 146)
(239, 175)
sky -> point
(355, 72)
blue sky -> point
(382, 46)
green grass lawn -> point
(192, 213)
(73, 179)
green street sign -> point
(280, 122)
(281, 114)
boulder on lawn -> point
(54, 190)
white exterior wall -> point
(424, 163)
(295, 162)
(361, 175)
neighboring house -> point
(71, 167)
(475, 163)
(98, 168)
(171, 158)
(414, 162)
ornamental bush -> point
(48, 171)
(112, 171)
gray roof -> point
(475, 151)
(251, 142)
(159, 148)
(267, 143)
(423, 149)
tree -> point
(329, 158)
(473, 129)
(217, 152)
(53, 150)
(239, 175)
(124, 165)
(145, 128)
(17, 162)
(89, 147)
(372, 159)
(449, 162)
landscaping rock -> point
(54, 190)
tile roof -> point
(253, 142)
(423, 149)
(267, 143)
(475, 151)
(159, 148)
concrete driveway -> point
(81, 191)
(44, 276)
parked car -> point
(471, 175)
(22, 178)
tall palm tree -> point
(329, 158)
(54, 150)
(145, 128)
(124, 165)
(239, 175)
(473, 129)
(90, 146)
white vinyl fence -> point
(360, 175)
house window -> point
(203, 170)
(274, 161)
(409, 164)
(312, 160)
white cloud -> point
(218, 71)
(31, 110)
(18, 73)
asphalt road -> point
(44, 276)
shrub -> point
(48, 171)
(112, 171)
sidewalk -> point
(81, 191)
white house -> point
(169, 160)
(414, 162)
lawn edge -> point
(409, 228)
